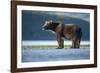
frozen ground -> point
(40, 55)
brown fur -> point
(68, 31)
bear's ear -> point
(58, 22)
(50, 21)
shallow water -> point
(39, 55)
(53, 42)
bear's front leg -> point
(60, 42)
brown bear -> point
(65, 31)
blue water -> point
(39, 55)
